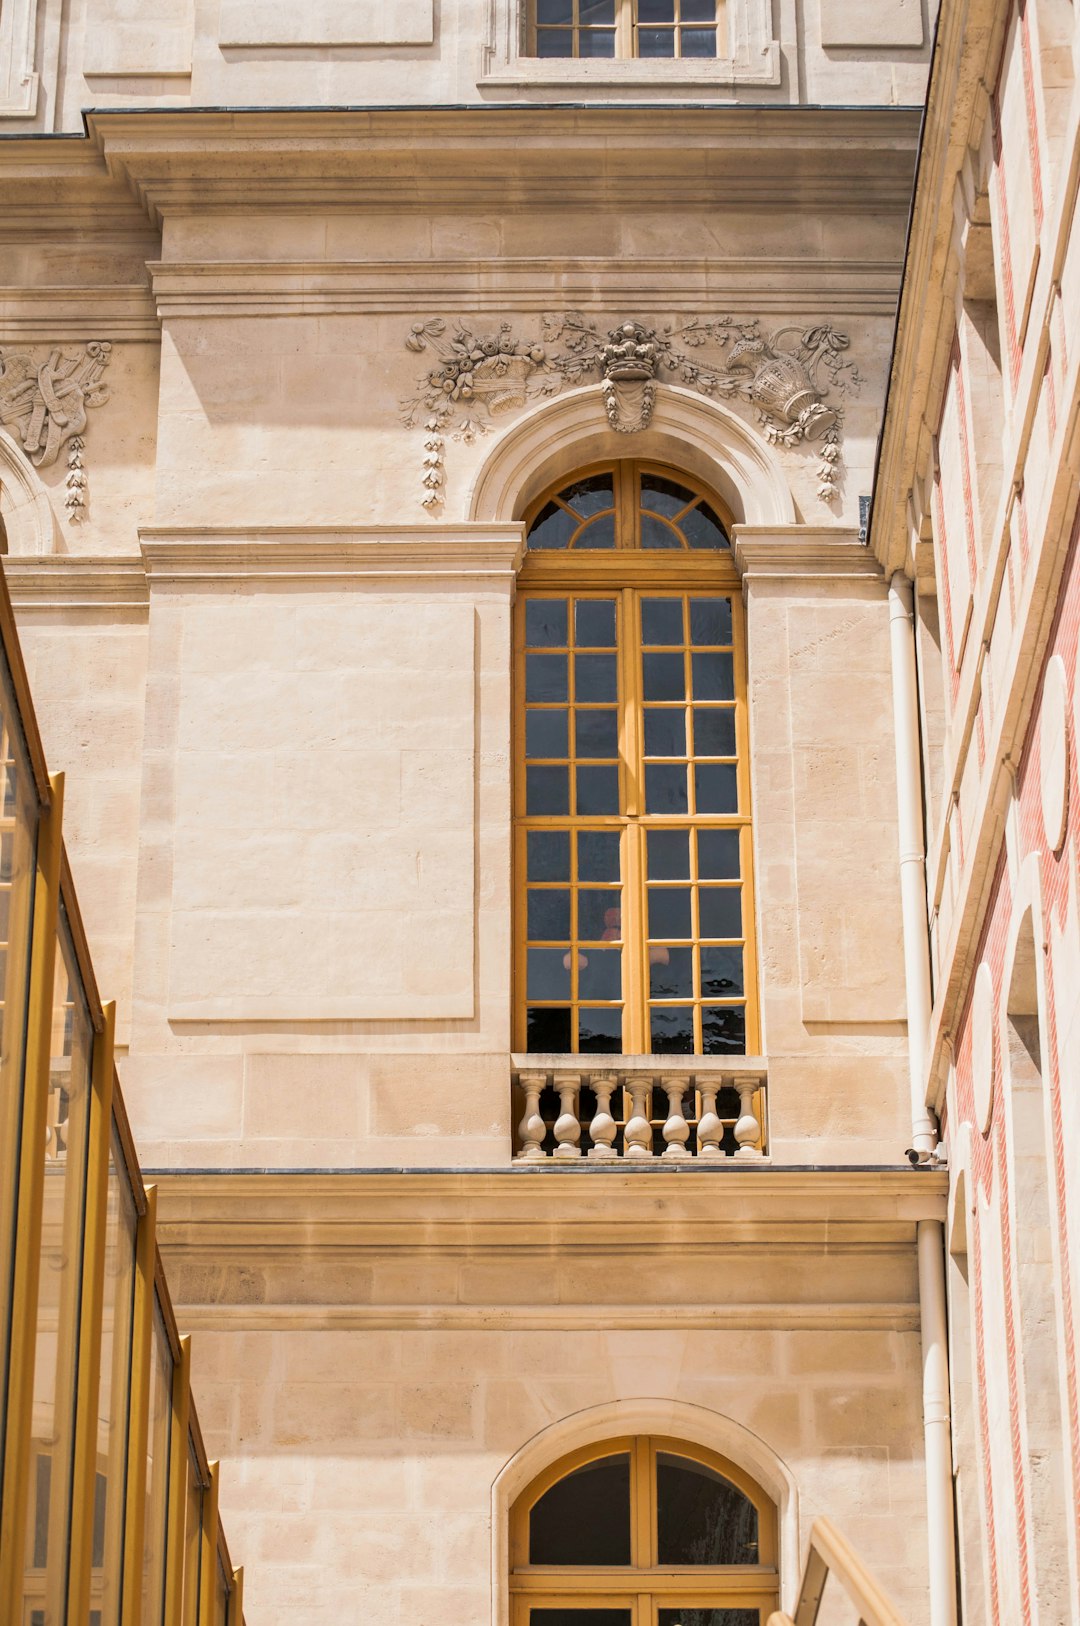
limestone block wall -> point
(243, 53)
(379, 1394)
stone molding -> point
(58, 315)
(769, 1317)
(415, 160)
(795, 287)
(216, 553)
(77, 582)
(801, 552)
(28, 514)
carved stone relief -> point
(43, 402)
(794, 377)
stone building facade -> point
(315, 327)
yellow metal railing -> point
(108, 1505)
(830, 1554)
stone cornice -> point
(803, 552)
(728, 1317)
(55, 315)
(76, 582)
(272, 553)
(321, 287)
(843, 160)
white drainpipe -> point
(931, 1233)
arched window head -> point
(643, 1532)
(631, 790)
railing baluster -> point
(710, 1130)
(747, 1130)
(603, 1128)
(532, 1127)
(567, 1124)
(676, 1129)
(637, 1136)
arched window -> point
(631, 792)
(643, 1532)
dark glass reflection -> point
(593, 495)
(600, 1031)
(598, 855)
(710, 620)
(701, 1518)
(584, 1518)
(548, 855)
(718, 855)
(661, 621)
(706, 1617)
(548, 1032)
(701, 526)
(553, 526)
(545, 623)
(578, 1616)
(672, 1030)
(546, 734)
(669, 855)
(549, 915)
(723, 1030)
(594, 623)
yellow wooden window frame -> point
(628, 573)
(642, 1586)
(626, 32)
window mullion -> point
(624, 28)
(636, 957)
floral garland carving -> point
(791, 376)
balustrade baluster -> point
(676, 1129)
(567, 1124)
(532, 1128)
(637, 1136)
(603, 1128)
(710, 1130)
(748, 1129)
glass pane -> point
(548, 974)
(548, 1031)
(597, 791)
(595, 42)
(549, 915)
(714, 732)
(547, 734)
(713, 677)
(718, 1616)
(720, 911)
(18, 840)
(697, 42)
(665, 732)
(157, 1475)
(722, 973)
(701, 1517)
(654, 532)
(665, 677)
(595, 678)
(546, 678)
(662, 496)
(579, 1615)
(114, 1385)
(654, 42)
(671, 972)
(672, 1030)
(555, 11)
(546, 622)
(723, 1031)
(665, 788)
(718, 855)
(669, 911)
(669, 855)
(598, 855)
(60, 1292)
(600, 1031)
(597, 734)
(710, 620)
(192, 1543)
(701, 527)
(547, 790)
(600, 977)
(584, 1519)
(599, 915)
(553, 526)
(548, 855)
(717, 787)
(594, 623)
(697, 11)
(661, 621)
(598, 533)
(593, 495)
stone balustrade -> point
(637, 1108)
